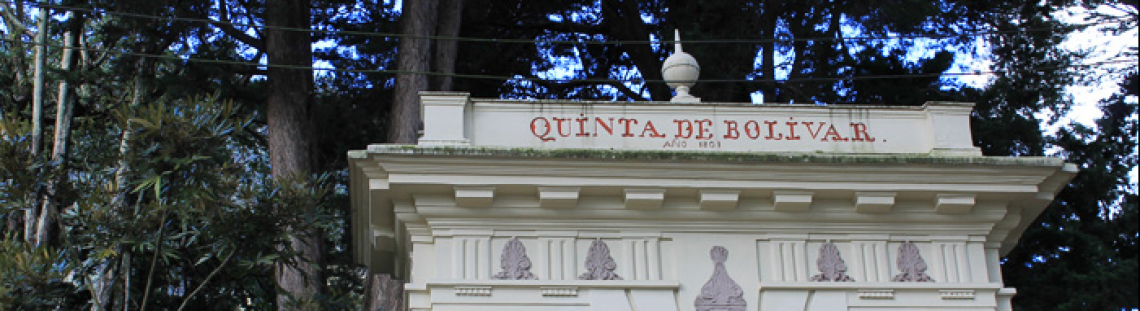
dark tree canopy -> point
(166, 198)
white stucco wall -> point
(439, 214)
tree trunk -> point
(30, 215)
(623, 20)
(38, 81)
(67, 97)
(382, 292)
(769, 23)
(104, 282)
(291, 137)
(16, 30)
(65, 103)
(102, 285)
(450, 16)
(417, 21)
(795, 91)
(125, 268)
(120, 199)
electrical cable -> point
(509, 78)
(507, 40)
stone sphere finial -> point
(681, 72)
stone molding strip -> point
(966, 294)
(473, 291)
(560, 291)
(877, 294)
(704, 156)
(580, 284)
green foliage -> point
(1082, 256)
(806, 40)
(197, 223)
(204, 224)
(925, 86)
(18, 165)
(34, 278)
(199, 197)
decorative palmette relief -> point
(720, 293)
(599, 264)
(831, 265)
(911, 264)
(515, 263)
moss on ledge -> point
(706, 156)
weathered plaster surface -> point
(475, 223)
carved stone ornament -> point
(681, 71)
(720, 293)
(911, 264)
(515, 263)
(599, 264)
(831, 265)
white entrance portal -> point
(569, 205)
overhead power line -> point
(532, 41)
(509, 78)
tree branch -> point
(235, 33)
(627, 91)
(548, 25)
(622, 19)
(13, 21)
(207, 280)
(579, 83)
(228, 28)
(248, 74)
(104, 56)
(153, 261)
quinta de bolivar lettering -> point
(550, 129)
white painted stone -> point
(644, 299)
(560, 292)
(468, 196)
(1004, 296)
(937, 128)
(473, 291)
(827, 300)
(558, 197)
(954, 203)
(784, 300)
(444, 118)
(424, 212)
(719, 199)
(609, 300)
(644, 199)
(791, 201)
(967, 294)
(681, 71)
(945, 125)
(874, 202)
